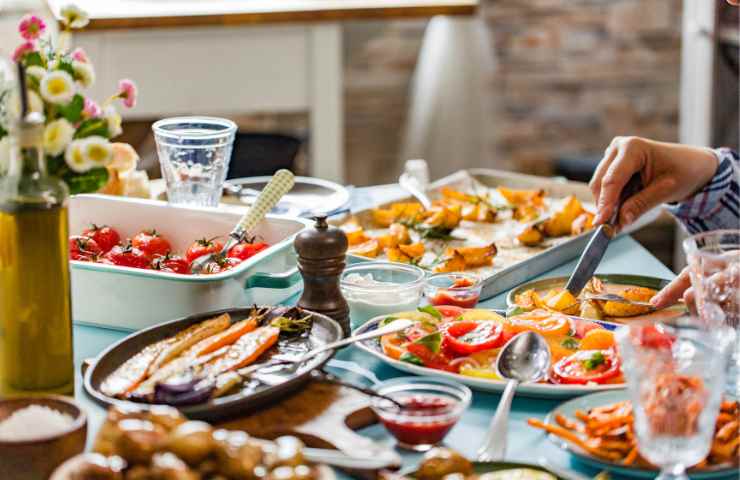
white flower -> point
(58, 87)
(113, 118)
(74, 17)
(4, 155)
(75, 157)
(36, 72)
(84, 73)
(97, 150)
(57, 136)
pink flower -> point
(31, 27)
(80, 55)
(127, 92)
(91, 109)
(24, 48)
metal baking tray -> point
(505, 275)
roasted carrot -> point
(728, 430)
(631, 457)
(227, 337)
(573, 438)
(129, 375)
(565, 422)
(245, 351)
(189, 337)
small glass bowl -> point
(395, 288)
(435, 406)
(440, 289)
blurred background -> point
(536, 86)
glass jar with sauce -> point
(458, 289)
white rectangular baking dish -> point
(131, 299)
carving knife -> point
(592, 255)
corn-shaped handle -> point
(279, 185)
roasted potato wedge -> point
(475, 256)
(526, 213)
(452, 194)
(561, 221)
(618, 309)
(563, 302)
(522, 197)
(383, 217)
(413, 250)
(583, 223)
(526, 299)
(454, 263)
(478, 213)
(369, 249)
(444, 217)
(356, 236)
(531, 236)
(400, 232)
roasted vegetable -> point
(355, 234)
(522, 197)
(583, 223)
(453, 263)
(531, 236)
(191, 441)
(369, 249)
(619, 309)
(475, 256)
(440, 462)
(560, 222)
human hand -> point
(669, 172)
(678, 288)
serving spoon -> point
(279, 185)
(613, 297)
(524, 358)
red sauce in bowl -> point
(425, 419)
(460, 300)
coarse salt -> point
(33, 422)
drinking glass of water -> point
(674, 380)
(194, 155)
(714, 264)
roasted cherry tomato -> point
(202, 247)
(246, 250)
(597, 366)
(541, 321)
(83, 248)
(466, 337)
(126, 256)
(220, 265)
(105, 236)
(151, 243)
(171, 263)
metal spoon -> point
(613, 297)
(524, 358)
(279, 185)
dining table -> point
(525, 444)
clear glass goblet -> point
(714, 263)
(674, 379)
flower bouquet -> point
(78, 131)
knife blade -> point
(596, 247)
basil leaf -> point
(411, 358)
(433, 342)
(88, 182)
(431, 311)
(596, 359)
(73, 110)
(33, 58)
(92, 126)
(570, 343)
(66, 66)
(387, 320)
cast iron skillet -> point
(324, 330)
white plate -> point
(537, 390)
(588, 402)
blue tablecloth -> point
(526, 444)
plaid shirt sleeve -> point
(717, 205)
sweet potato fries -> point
(607, 433)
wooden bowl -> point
(37, 458)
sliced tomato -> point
(437, 361)
(582, 327)
(449, 311)
(466, 337)
(544, 322)
(585, 366)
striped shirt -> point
(717, 205)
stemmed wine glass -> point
(714, 261)
(674, 378)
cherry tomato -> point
(83, 248)
(151, 243)
(245, 250)
(541, 321)
(220, 265)
(105, 236)
(653, 336)
(597, 366)
(171, 263)
(202, 247)
(126, 256)
(466, 337)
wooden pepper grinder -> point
(321, 258)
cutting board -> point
(321, 414)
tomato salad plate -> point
(463, 344)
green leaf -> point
(88, 182)
(433, 342)
(73, 110)
(570, 343)
(596, 359)
(387, 320)
(3, 132)
(411, 358)
(92, 126)
(431, 311)
(33, 58)
(66, 66)
(56, 166)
